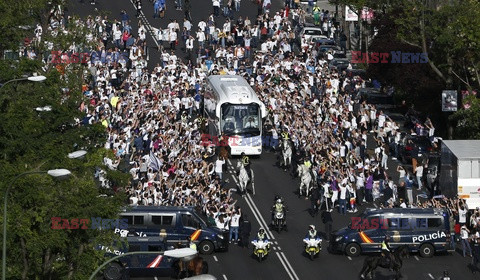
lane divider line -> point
(215, 258)
(416, 257)
(431, 276)
(225, 277)
(283, 263)
(283, 259)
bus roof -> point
(233, 89)
(142, 208)
(413, 211)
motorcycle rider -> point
(278, 206)
(262, 236)
(246, 164)
(386, 251)
(312, 233)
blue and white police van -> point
(423, 230)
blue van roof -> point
(434, 211)
(143, 208)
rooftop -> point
(464, 149)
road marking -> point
(274, 248)
(281, 256)
(375, 205)
(431, 276)
(281, 260)
(275, 242)
(215, 258)
(156, 278)
(148, 26)
(417, 258)
(350, 258)
(279, 248)
(225, 277)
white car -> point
(310, 33)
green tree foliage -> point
(40, 140)
(467, 120)
(17, 15)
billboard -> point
(449, 101)
(350, 14)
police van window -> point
(434, 222)
(157, 220)
(189, 221)
(167, 220)
(134, 248)
(398, 223)
(138, 220)
(129, 219)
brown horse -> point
(197, 266)
(223, 154)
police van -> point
(176, 225)
(423, 230)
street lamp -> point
(31, 79)
(54, 173)
(77, 154)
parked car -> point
(373, 96)
(339, 64)
(308, 33)
(420, 145)
(336, 51)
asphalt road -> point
(286, 260)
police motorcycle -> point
(278, 212)
(313, 243)
(261, 245)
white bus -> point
(233, 108)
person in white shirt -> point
(342, 203)
(219, 167)
(419, 175)
(234, 225)
(464, 235)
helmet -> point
(311, 227)
(387, 237)
(242, 154)
(261, 231)
(279, 200)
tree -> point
(32, 140)
(19, 17)
(467, 119)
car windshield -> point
(313, 32)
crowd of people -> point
(154, 119)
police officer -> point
(386, 251)
(191, 244)
(312, 233)
(262, 236)
(246, 164)
(278, 206)
(285, 136)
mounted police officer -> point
(387, 252)
(246, 164)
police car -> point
(423, 230)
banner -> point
(449, 101)
(350, 15)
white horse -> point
(243, 179)
(286, 154)
(305, 180)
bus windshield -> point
(240, 119)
